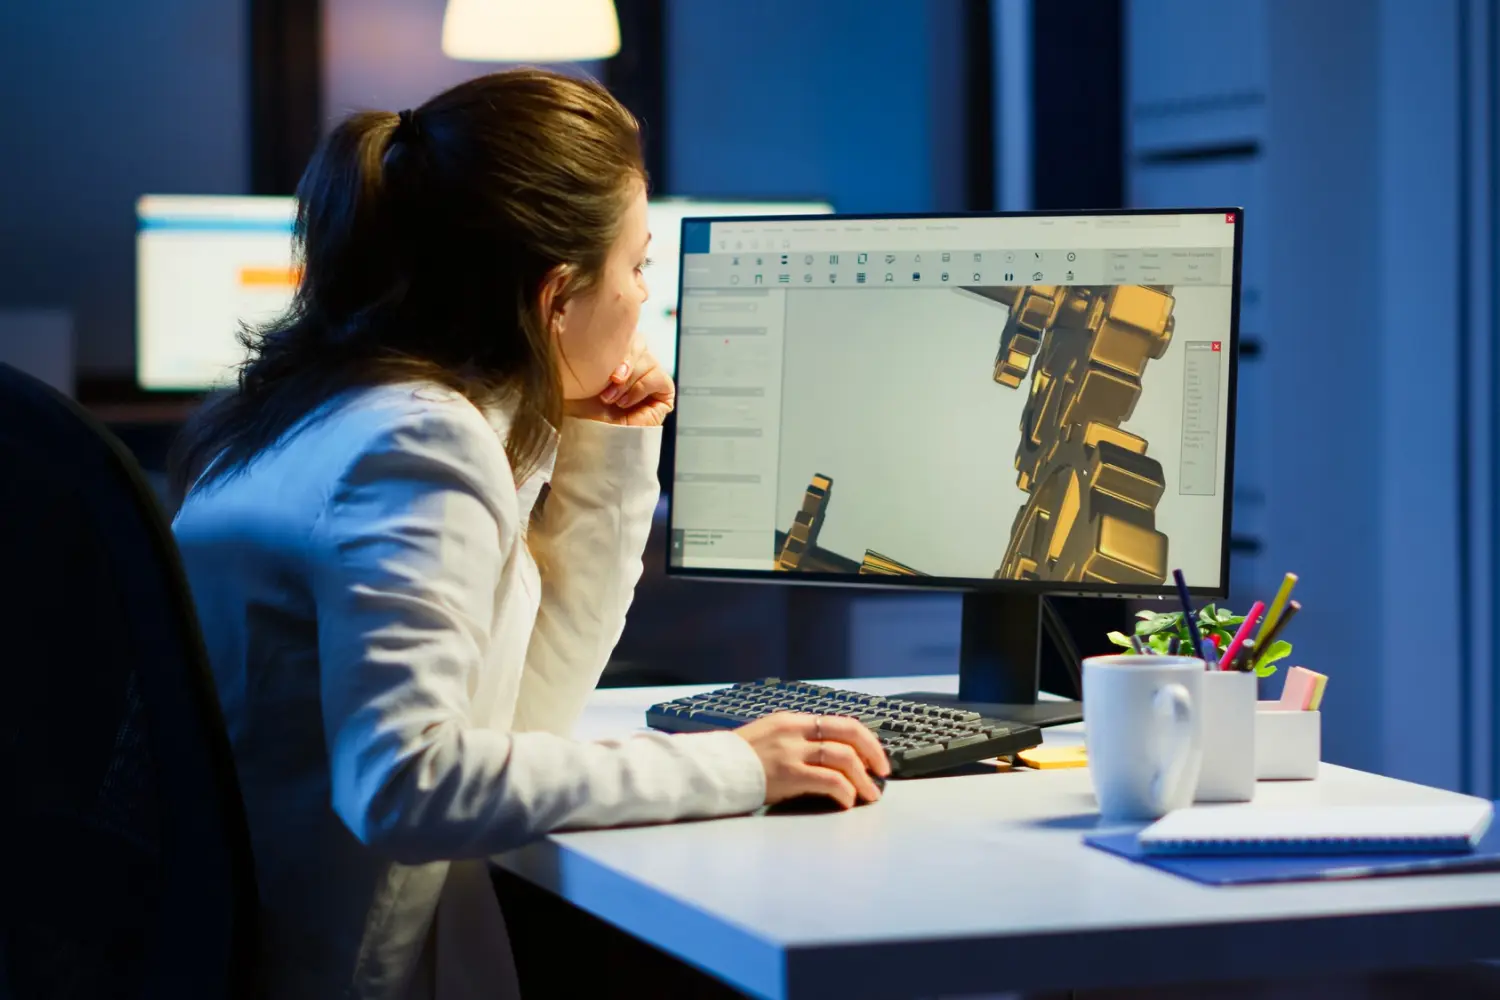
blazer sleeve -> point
(407, 559)
(588, 543)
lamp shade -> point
(530, 30)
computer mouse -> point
(812, 804)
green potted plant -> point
(1156, 629)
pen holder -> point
(1229, 737)
(1288, 743)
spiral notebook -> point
(1249, 829)
(1363, 856)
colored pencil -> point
(1263, 646)
(1187, 609)
(1246, 627)
(1278, 606)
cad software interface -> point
(1026, 398)
(204, 266)
(658, 323)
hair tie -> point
(406, 124)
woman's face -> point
(594, 331)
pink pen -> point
(1246, 627)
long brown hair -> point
(425, 238)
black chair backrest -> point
(126, 860)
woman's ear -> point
(553, 301)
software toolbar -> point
(965, 233)
(929, 268)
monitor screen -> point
(659, 315)
(1039, 401)
(205, 265)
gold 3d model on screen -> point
(1092, 491)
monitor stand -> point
(999, 663)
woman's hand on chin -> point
(640, 394)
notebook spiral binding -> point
(1309, 845)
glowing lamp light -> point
(534, 31)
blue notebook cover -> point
(1253, 870)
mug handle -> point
(1173, 707)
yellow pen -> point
(1277, 607)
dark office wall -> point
(104, 102)
(388, 54)
(1078, 115)
(1477, 302)
(1365, 458)
(856, 100)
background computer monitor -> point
(205, 265)
(659, 315)
(1012, 405)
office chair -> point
(126, 859)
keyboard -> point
(918, 738)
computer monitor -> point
(205, 265)
(659, 316)
(1011, 405)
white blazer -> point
(399, 680)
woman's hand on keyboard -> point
(830, 755)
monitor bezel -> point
(985, 585)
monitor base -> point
(1040, 714)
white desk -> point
(980, 883)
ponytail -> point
(424, 239)
(342, 214)
(344, 217)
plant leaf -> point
(1278, 650)
(1160, 623)
(1265, 670)
(1159, 642)
(1118, 638)
(1147, 615)
(1225, 616)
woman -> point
(402, 629)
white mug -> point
(1144, 733)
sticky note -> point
(1301, 688)
(1317, 695)
(1045, 758)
